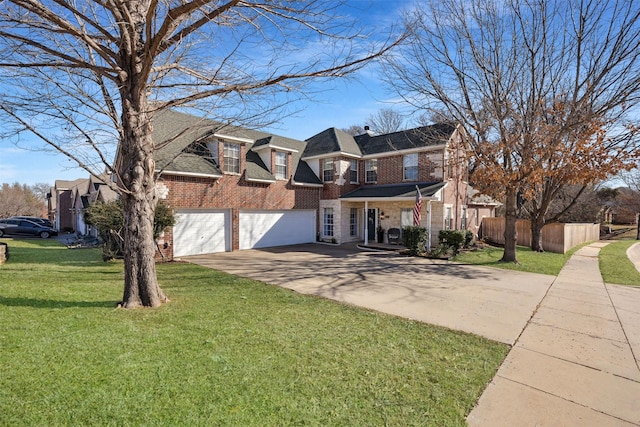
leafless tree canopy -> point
(524, 78)
(386, 120)
(354, 130)
(64, 63)
(632, 179)
(87, 76)
(16, 199)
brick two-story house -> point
(234, 188)
(371, 181)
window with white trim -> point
(353, 221)
(327, 171)
(448, 218)
(353, 172)
(410, 167)
(463, 218)
(281, 166)
(327, 222)
(406, 217)
(371, 170)
(231, 159)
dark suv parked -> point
(37, 220)
(24, 227)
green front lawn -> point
(225, 351)
(616, 267)
(528, 260)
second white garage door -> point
(201, 232)
(263, 229)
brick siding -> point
(235, 193)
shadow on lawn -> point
(47, 303)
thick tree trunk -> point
(137, 173)
(510, 229)
(536, 234)
(136, 170)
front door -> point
(371, 224)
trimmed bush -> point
(415, 239)
(108, 218)
(454, 240)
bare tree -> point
(386, 120)
(41, 189)
(354, 130)
(20, 199)
(500, 68)
(632, 179)
(89, 73)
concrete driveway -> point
(493, 303)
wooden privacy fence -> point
(556, 237)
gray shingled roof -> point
(421, 137)
(329, 141)
(427, 189)
(175, 132)
(305, 175)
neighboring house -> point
(234, 188)
(479, 206)
(60, 201)
(68, 200)
(86, 193)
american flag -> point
(417, 215)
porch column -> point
(366, 222)
(429, 225)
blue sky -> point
(334, 103)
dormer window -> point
(231, 158)
(281, 166)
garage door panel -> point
(200, 232)
(276, 228)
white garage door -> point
(263, 229)
(201, 232)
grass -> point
(528, 260)
(226, 351)
(615, 266)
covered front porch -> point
(376, 214)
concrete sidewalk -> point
(577, 361)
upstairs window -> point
(410, 167)
(327, 171)
(353, 172)
(371, 170)
(281, 166)
(231, 159)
